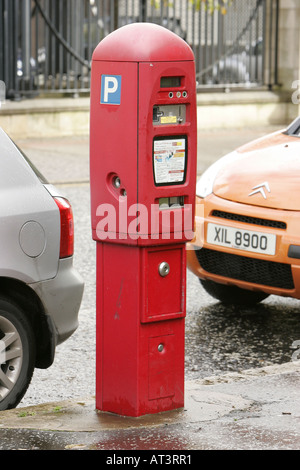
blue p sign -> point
(111, 89)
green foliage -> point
(24, 414)
(212, 5)
(209, 5)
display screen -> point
(170, 82)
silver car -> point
(40, 291)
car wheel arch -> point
(43, 328)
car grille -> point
(249, 220)
(246, 269)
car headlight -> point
(206, 182)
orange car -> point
(247, 240)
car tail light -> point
(66, 227)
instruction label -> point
(169, 159)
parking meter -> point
(143, 158)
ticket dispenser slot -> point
(173, 202)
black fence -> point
(47, 45)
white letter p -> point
(109, 89)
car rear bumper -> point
(61, 298)
(277, 274)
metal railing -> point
(46, 45)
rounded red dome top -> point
(142, 42)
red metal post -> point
(143, 140)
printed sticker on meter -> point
(169, 160)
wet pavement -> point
(256, 409)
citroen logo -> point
(261, 188)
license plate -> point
(246, 240)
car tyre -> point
(17, 354)
(232, 295)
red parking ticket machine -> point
(143, 141)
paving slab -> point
(257, 409)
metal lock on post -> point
(164, 269)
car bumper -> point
(61, 298)
(265, 268)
